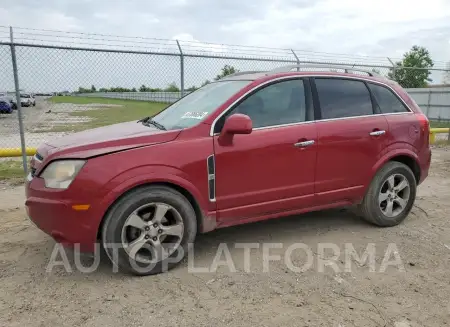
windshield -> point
(24, 95)
(196, 106)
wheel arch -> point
(407, 157)
(411, 163)
(204, 222)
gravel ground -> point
(412, 294)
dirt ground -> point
(415, 296)
(39, 120)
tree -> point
(172, 87)
(93, 89)
(192, 88)
(226, 70)
(417, 57)
(83, 90)
(143, 88)
(133, 89)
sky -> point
(371, 28)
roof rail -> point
(288, 68)
(244, 73)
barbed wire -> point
(188, 46)
(28, 35)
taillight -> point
(424, 126)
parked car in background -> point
(4, 96)
(27, 100)
(5, 106)
(12, 101)
(249, 147)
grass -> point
(440, 124)
(11, 171)
(126, 110)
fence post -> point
(19, 106)
(393, 67)
(181, 68)
(429, 103)
(296, 58)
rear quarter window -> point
(387, 101)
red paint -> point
(346, 156)
(259, 173)
(264, 173)
(236, 124)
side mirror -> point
(237, 124)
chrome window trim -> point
(282, 125)
(357, 78)
(365, 116)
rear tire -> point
(390, 196)
(149, 230)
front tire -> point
(391, 195)
(149, 230)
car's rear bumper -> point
(56, 217)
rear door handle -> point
(377, 133)
(304, 144)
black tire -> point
(370, 209)
(117, 215)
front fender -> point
(135, 177)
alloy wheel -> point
(394, 195)
(152, 232)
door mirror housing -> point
(237, 124)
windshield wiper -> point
(149, 121)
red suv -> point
(249, 147)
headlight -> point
(59, 174)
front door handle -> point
(304, 144)
(377, 133)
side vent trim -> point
(210, 162)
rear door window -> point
(387, 101)
(340, 98)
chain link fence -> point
(69, 82)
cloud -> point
(189, 44)
(317, 30)
(379, 28)
(39, 18)
(345, 26)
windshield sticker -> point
(195, 115)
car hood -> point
(107, 139)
